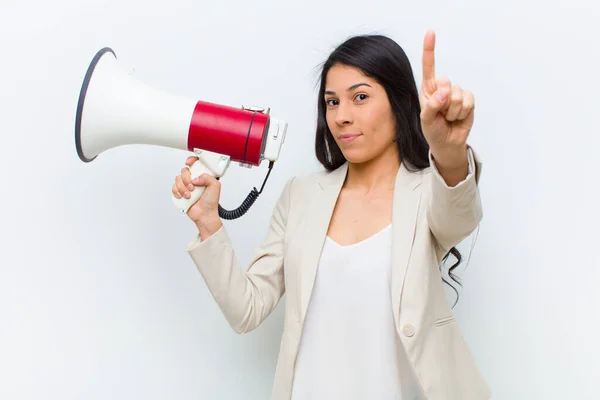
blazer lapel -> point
(316, 227)
(407, 199)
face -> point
(358, 114)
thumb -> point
(212, 190)
(191, 160)
(434, 104)
(205, 180)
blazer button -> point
(408, 330)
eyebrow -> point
(350, 88)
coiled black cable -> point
(247, 203)
(242, 209)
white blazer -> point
(428, 219)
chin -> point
(356, 156)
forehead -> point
(340, 77)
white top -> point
(349, 348)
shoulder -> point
(300, 187)
(309, 180)
(414, 177)
(426, 174)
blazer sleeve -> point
(454, 212)
(245, 298)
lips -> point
(348, 137)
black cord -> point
(247, 203)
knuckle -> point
(443, 81)
(457, 95)
(468, 101)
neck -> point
(376, 174)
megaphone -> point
(116, 109)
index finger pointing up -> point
(429, 57)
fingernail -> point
(191, 187)
(178, 195)
(186, 195)
(196, 180)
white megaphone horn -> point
(116, 109)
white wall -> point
(98, 298)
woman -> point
(357, 248)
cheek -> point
(330, 118)
(333, 127)
(382, 125)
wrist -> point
(452, 165)
(208, 228)
(450, 159)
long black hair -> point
(382, 59)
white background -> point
(98, 297)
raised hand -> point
(447, 111)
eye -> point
(331, 102)
(361, 96)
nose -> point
(343, 114)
